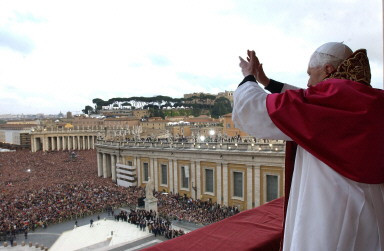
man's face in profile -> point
(316, 75)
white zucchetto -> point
(330, 53)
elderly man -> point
(336, 198)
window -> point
(209, 180)
(185, 177)
(164, 174)
(228, 125)
(272, 187)
(238, 184)
(146, 171)
(130, 163)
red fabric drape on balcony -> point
(259, 228)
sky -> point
(56, 56)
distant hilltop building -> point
(207, 98)
(196, 94)
(110, 111)
(226, 94)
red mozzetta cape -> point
(341, 122)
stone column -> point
(79, 143)
(60, 143)
(89, 142)
(225, 184)
(198, 179)
(175, 176)
(248, 190)
(170, 168)
(193, 179)
(47, 147)
(85, 140)
(257, 185)
(138, 170)
(113, 167)
(105, 173)
(93, 142)
(156, 174)
(83, 148)
(151, 171)
(218, 183)
(59, 147)
(33, 142)
(99, 164)
(53, 143)
(74, 145)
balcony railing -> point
(277, 146)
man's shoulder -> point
(344, 87)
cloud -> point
(15, 42)
(159, 60)
(22, 17)
(67, 53)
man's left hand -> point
(250, 66)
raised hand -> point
(252, 66)
(260, 76)
(249, 67)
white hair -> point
(330, 53)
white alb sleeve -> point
(250, 113)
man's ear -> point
(329, 69)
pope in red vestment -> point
(336, 200)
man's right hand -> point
(260, 75)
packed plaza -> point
(44, 188)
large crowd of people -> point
(38, 189)
(150, 220)
(43, 188)
(176, 207)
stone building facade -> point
(51, 140)
(236, 174)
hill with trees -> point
(161, 106)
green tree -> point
(196, 112)
(155, 112)
(221, 106)
(88, 110)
